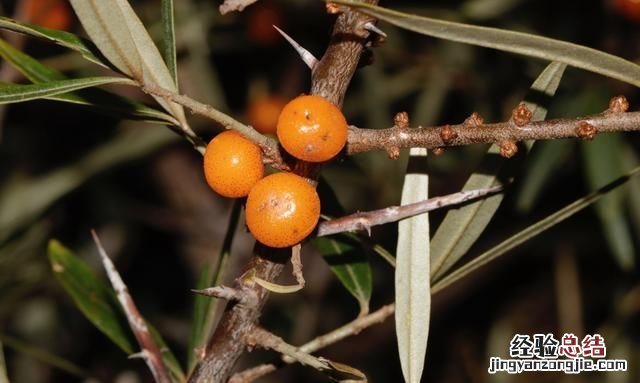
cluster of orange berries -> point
(282, 209)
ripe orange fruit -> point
(263, 113)
(232, 164)
(312, 129)
(54, 14)
(628, 8)
(282, 210)
(260, 21)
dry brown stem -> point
(364, 140)
(150, 351)
(330, 79)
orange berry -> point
(312, 129)
(232, 164)
(282, 210)
(54, 14)
(263, 113)
(628, 8)
(260, 21)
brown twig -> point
(352, 328)
(365, 220)
(330, 79)
(263, 338)
(269, 145)
(466, 133)
(150, 351)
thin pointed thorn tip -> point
(305, 55)
(372, 28)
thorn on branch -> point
(521, 115)
(244, 297)
(448, 135)
(508, 149)
(586, 131)
(371, 27)
(618, 104)
(304, 54)
(474, 120)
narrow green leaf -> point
(509, 41)
(122, 38)
(11, 93)
(548, 157)
(345, 256)
(170, 361)
(33, 70)
(99, 99)
(99, 304)
(169, 38)
(532, 231)
(345, 253)
(412, 282)
(96, 301)
(42, 355)
(603, 161)
(62, 38)
(4, 377)
(462, 227)
(204, 308)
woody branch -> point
(330, 79)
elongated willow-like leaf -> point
(532, 231)
(169, 38)
(204, 307)
(96, 301)
(62, 38)
(509, 41)
(462, 227)
(99, 304)
(99, 99)
(345, 253)
(119, 34)
(603, 160)
(412, 282)
(11, 93)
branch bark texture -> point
(330, 79)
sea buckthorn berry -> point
(263, 113)
(232, 164)
(282, 210)
(53, 14)
(628, 8)
(312, 129)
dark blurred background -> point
(65, 169)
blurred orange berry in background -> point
(282, 210)
(260, 21)
(54, 14)
(263, 113)
(232, 164)
(630, 9)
